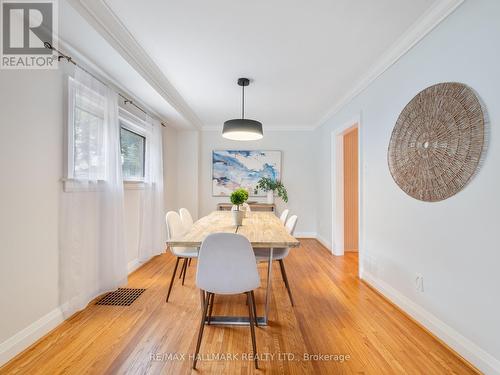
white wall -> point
(454, 243)
(298, 171)
(187, 143)
(31, 142)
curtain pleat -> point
(152, 231)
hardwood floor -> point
(335, 314)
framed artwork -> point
(232, 169)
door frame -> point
(337, 186)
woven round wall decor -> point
(437, 141)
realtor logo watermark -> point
(26, 26)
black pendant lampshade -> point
(242, 129)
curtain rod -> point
(70, 60)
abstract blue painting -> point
(232, 169)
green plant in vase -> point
(271, 187)
(238, 197)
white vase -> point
(270, 197)
(238, 217)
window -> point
(133, 148)
(86, 133)
(88, 137)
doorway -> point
(351, 190)
(346, 184)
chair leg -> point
(202, 299)
(254, 308)
(182, 269)
(189, 263)
(185, 270)
(211, 303)
(172, 279)
(252, 328)
(200, 332)
(285, 279)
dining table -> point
(264, 230)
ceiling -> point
(304, 57)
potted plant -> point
(271, 186)
(238, 197)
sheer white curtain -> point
(152, 232)
(92, 247)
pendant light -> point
(242, 129)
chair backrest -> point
(291, 223)
(186, 218)
(226, 264)
(174, 225)
(284, 215)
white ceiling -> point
(303, 56)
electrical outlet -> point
(419, 283)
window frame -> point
(136, 125)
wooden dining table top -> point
(263, 230)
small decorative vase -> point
(270, 197)
(238, 217)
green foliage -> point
(246, 194)
(268, 184)
(132, 147)
(239, 196)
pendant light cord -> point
(243, 102)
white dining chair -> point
(186, 218)
(175, 228)
(226, 265)
(187, 221)
(279, 254)
(284, 215)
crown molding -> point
(420, 28)
(108, 25)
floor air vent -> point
(121, 297)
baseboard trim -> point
(133, 265)
(305, 234)
(323, 241)
(27, 336)
(23, 339)
(315, 236)
(472, 355)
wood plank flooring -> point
(335, 314)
